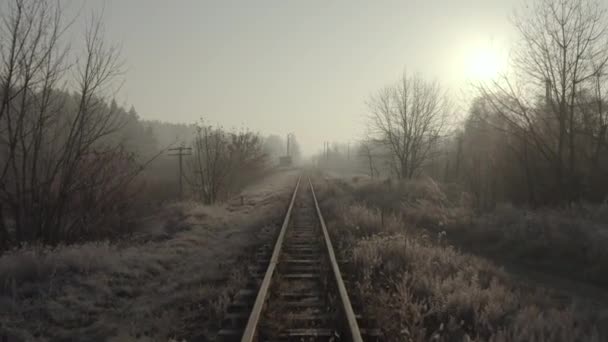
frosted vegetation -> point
(413, 248)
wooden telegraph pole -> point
(348, 152)
(180, 152)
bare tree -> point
(31, 62)
(223, 162)
(409, 118)
(57, 168)
(562, 54)
(247, 157)
(367, 153)
(210, 161)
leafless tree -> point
(224, 161)
(409, 118)
(562, 54)
(57, 170)
(210, 161)
(367, 153)
(247, 157)
(31, 62)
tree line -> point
(56, 154)
(535, 135)
(75, 165)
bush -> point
(568, 242)
(419, 288)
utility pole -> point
(288, 136)
(180, 153)
(324, 150)
(348, 151)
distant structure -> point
(181, 152)
(286, 160)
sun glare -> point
(485, 64)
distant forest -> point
(56, 179)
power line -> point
(181, 152)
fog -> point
(304, 170)
(300, 66)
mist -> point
(251, 65)
(288, 171)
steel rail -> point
(252, 323)
(353, 326)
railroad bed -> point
(296, 291)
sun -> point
(485, 64)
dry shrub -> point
(333, 194)
(155, 191)
(570, 242)
(532, 323)
(418, 289)
(425, 189)
(366, 221)
(33, 264)
(421, 202)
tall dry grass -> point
(173, 281)
(419, 288)
(568, 242)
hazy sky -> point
(302, 66)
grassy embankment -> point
(400, 242)
(173, 279)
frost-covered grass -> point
(419, 287)
(172, 280)
(567, 242)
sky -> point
(301, 66)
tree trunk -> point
(404, 174)
(559, 163)
(572, 181)
(528, 175)
(4, 237)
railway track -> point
(296, 291)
